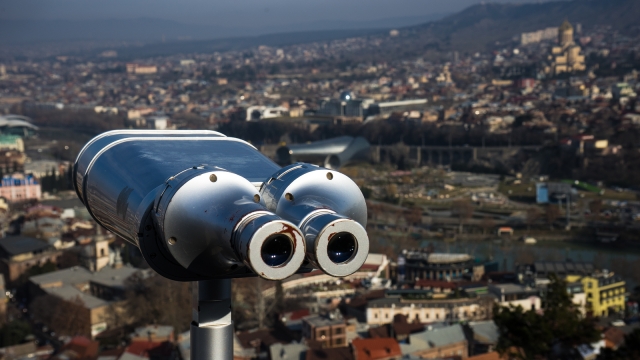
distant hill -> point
(484, 24)
(473, 29)
(150, 30)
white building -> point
(516, 295)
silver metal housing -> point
(324, 204)
(121, 175)
(213, 220)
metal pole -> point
(212, 327)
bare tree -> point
(464, 209)
(487, 224)
(157, 300)
(413, 216)
(552, 213)
(595, 207)
(66, 317)
(533, 214)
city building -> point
(446, 342)
(157, 122)
(605, 293)
(139, 69)
(482, 336)
(540, 271)
(255, 113)
(18, 254)
(14, 161)
(11, 142)
(288, 351)
(95, 295)
(17, 125)
(567, 56)
(423, 265)
(349, 108)
(154, 333)
(538, 36)
(19, 187)
(422, 307)
(515, 295)
(329, 330)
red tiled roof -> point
(613, 337)
(373, 349)
(82, 346)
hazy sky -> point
(230, 13)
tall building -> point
(567, 56)
(605, 292)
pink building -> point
(17, 188)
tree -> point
(533, 215)
(14, 333)
(523, 334)
(413, 216)
(529, 335)
(487, 224)
(464, 209)
(65, 317)
(595, 207)
(552, 213)
(157, 300)
(564, 319)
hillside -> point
(485, 24)
(473, 29)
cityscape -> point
(500, 171)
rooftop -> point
(16, 245)
(379, 348)
(319, 321)
(65, 283)
(565, 267)
(288, 351)
(485, 331)
(435, 338)
(513, 288)
(438, 258)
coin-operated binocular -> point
(204, 207)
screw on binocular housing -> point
(190, 201)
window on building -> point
(323, 333)
(339, 342)
(101, 252)
(338, 331)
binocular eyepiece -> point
(200, 206)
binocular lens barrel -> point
(277, 250)
(341, 247)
